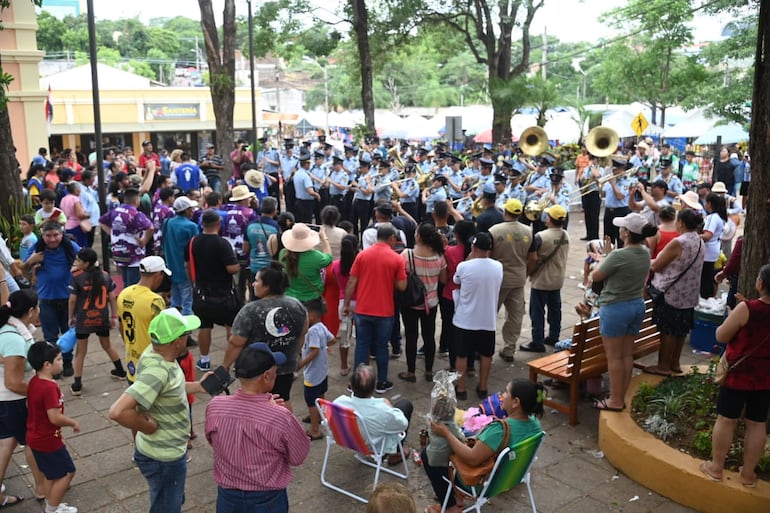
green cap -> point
(170, 324)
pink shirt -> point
(342, 281)
(68, 207)
(255, 442)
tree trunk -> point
(221, 63)
(361, 28)
(756, 250)
(10, 184)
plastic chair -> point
(512, 467)
(346, 428)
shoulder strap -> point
(304, 278)
(700, 245)
(192, 260)
(550, 255)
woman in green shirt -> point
(303, 263)
(523, 401)
(624, 273)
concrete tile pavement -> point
(570, 476)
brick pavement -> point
(570, 476)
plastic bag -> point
(443, 400)
(67, 341)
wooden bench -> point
(586, 359)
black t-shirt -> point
(212, 254)
(488, 219)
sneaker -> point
(117, 375)
(76, 389)
(65, 508)
(581, 286)
(68, 370)
(383, 386)
(203, 366)
(421, 352)
(350, 389)
(395, 356)
(443, 353)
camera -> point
(218, 382)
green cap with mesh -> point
(170, 324)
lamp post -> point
(251, 76)
(325, 69)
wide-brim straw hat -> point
(690, 198)
(300, 238)
(241, 192)
(254, 178)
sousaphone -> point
(533, 141)
(602, 141)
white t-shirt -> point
(475, 298)
(714, 224)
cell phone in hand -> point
(218, 382)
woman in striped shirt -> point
(427, 261)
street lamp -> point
(251, 77)
(325, 69)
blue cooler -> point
(703, 335)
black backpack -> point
(415, 292)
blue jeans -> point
(130, 275)
(239, 501)
(538, 301)
(374, 331)
(166, 481)
(182, 297)
(54, 319)
(214, 183)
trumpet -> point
(533, 210)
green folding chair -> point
(512, 467)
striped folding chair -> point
(512, 467)
(346, 428)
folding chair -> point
(346, 428)
(511, 468)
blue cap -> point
(489, 188)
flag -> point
(48, 111)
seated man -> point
(382, 419)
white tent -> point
(390, 125)
(620, 121)
(696, 123)
(562, 128)
(417, 127)
(730, 133)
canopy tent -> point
(730, 133)
(485, 137)
(562, 128)
(696, 123)
(620, 121)
(390, 125)
(417, 127)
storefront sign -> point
(171, 111)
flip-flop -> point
(703, 468)
(320, 436)
(306, 419)
(345, 371)
(653, 369)
(601, 404)
(750, 484)
(16, 499)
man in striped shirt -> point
(255, 439)
(156, 407)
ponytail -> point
(19, 303)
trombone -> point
(604, 179)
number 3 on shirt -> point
(128, 323)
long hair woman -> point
(341, 271)
(677, 271)
(92, 298)
(712, 231)
(746, 390)
(427, 261)
(624, 272)
(16, 327)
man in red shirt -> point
(147, 155)
(375, 273)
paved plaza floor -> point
(570, 476)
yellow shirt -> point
(137, 306)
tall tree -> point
(360, 24)
(488, 29)
(221, 61)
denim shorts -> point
(54, 465)
(622, 318)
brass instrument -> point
(604, 179)
(533, 210)
(602, 141)
(398, 162)
(533, 141)
(476, 207)
(425, 178)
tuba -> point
(602, 141)
(533, 141)
(398, 162)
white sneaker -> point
(581, 286)
(64, 508)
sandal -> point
(653, 369)
(313, 438)
(407, 376)
(481, 393)
(345, 371)
(16, 499)
(704, 468)
(747, 484)
(306, 419)
(601, 404)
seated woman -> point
(523, 400)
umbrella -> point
(730, 133)
(485, 137)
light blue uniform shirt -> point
(540, 181)
(301, 182)
(361, 181)
(409, 186)
(610, 201)
(438, 194)
(340, 177)
(320, 173)
(457, 179)
(288, 165)
(382, 188)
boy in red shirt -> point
(45, 419)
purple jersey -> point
(160, 213)
(127, 225)
(235, 223)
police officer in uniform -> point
(288, 163)
(408, 191)
(615, 193)
(319, 174)
(362, 189)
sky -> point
(569, 20)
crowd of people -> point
(315, 249)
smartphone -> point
(217, 382)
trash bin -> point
(703, 335)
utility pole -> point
(251, 76)
(544, 60)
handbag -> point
(204, 298)
(415, 292)
(659, 296)
(473, 475)
(724, 368)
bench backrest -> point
(587, 357)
